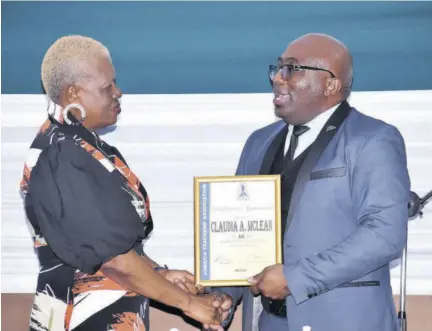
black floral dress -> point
(85, 206)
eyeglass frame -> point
(301, 67)
(296, 67)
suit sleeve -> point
(380, 194)
(83, 211)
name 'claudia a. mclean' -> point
(240, 226)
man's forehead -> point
(301, 55)
(299, 50)
(287, 59)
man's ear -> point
(333, 86)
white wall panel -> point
(169, 139)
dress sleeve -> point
(84, 211)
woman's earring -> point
(72, 106)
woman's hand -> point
(181, 278)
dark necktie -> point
(297, 132)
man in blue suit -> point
(345, 191)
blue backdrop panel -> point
(219, 47)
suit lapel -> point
(270, 154)
(314, 153)
(257, 151)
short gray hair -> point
(62, 63)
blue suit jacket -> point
(347, 222)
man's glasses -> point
(287, 71)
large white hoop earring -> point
(72, 106)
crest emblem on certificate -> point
(242, 193)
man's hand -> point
(182, 278)
(270, 283)
(203, 309)
(224, 302)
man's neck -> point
(329, 106)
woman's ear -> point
(71, 94)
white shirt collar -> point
(318, 122)
(315, 127)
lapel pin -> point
(330, 128)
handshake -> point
(211, 309)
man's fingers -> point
(227, 303)
(217, 317)
(255, 290)
(212, 327)
(217, 296)
(216, 303)
(215, 328)
(252, 280)
(255, 279)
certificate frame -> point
(199, 252)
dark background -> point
(219, 47)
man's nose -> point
(277, 79)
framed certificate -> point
(237, 228)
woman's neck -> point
(56, 111)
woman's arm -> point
(152, 263)
(181, 278)
(133, 272)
